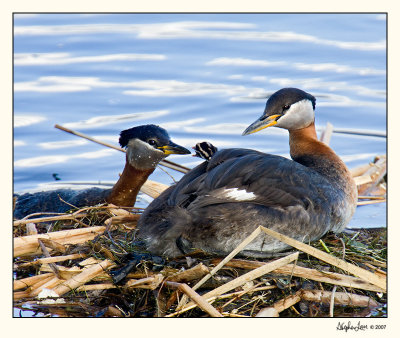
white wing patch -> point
(239, 195)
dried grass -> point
(343, 275)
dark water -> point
(200, 76)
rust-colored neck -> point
(304, 142)
(306, 149)
(125, 191)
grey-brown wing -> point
(242, 175)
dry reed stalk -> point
(319, 276)
(53, 266)
(20, 295)
(340, 298)
(239, 248)
(99, 248)
(161, 303)
(64, 273)
(379, 189)
(139, 275)
(197, 272)
(55, 259)
(212, 299)
(31, 229)
(329, 277)
(82, 278)
(145, 283)
(34, 289)
(224, 296)
(28, 245)
(27, 282)
(67, 273)
(327, 297)
(52, 283)
(364, 179)
(375, 269)
(279, 306)
(371, 197)
(327, 133)
(49, 219)
(85, 264)
(91, 287)
(378, 263)
(53, 245)
(242, 293)
(377, 171)
(153, 189)
(287, 302)
(116, 211)
(256, 273)
(122, 219)
(360, 170)
(199, 300)
(371, 260)
(90, 261)
(41, 282)
(351, 268)
(371, 202)
(234, 315)
(165, 163)
(332, 302)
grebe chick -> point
(219, 203)
(204, 150)
(145, 145)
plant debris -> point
(88, 263)
(152, 286)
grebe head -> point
(288, 108)
(147, 145)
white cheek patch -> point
(139, 144)
(239, 195)
(299, 115)
(142, 155)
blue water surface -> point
(200, 76)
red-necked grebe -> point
(220, 202)
(145, 145)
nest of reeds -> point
(87, 263)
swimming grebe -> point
(145, 145)
(220, 202)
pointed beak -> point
(261, 123)
(173, 148)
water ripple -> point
(196, 30)
(113, 119)
(41, 161)
(49, 59)
(22, 120)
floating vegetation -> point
(90, 265)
